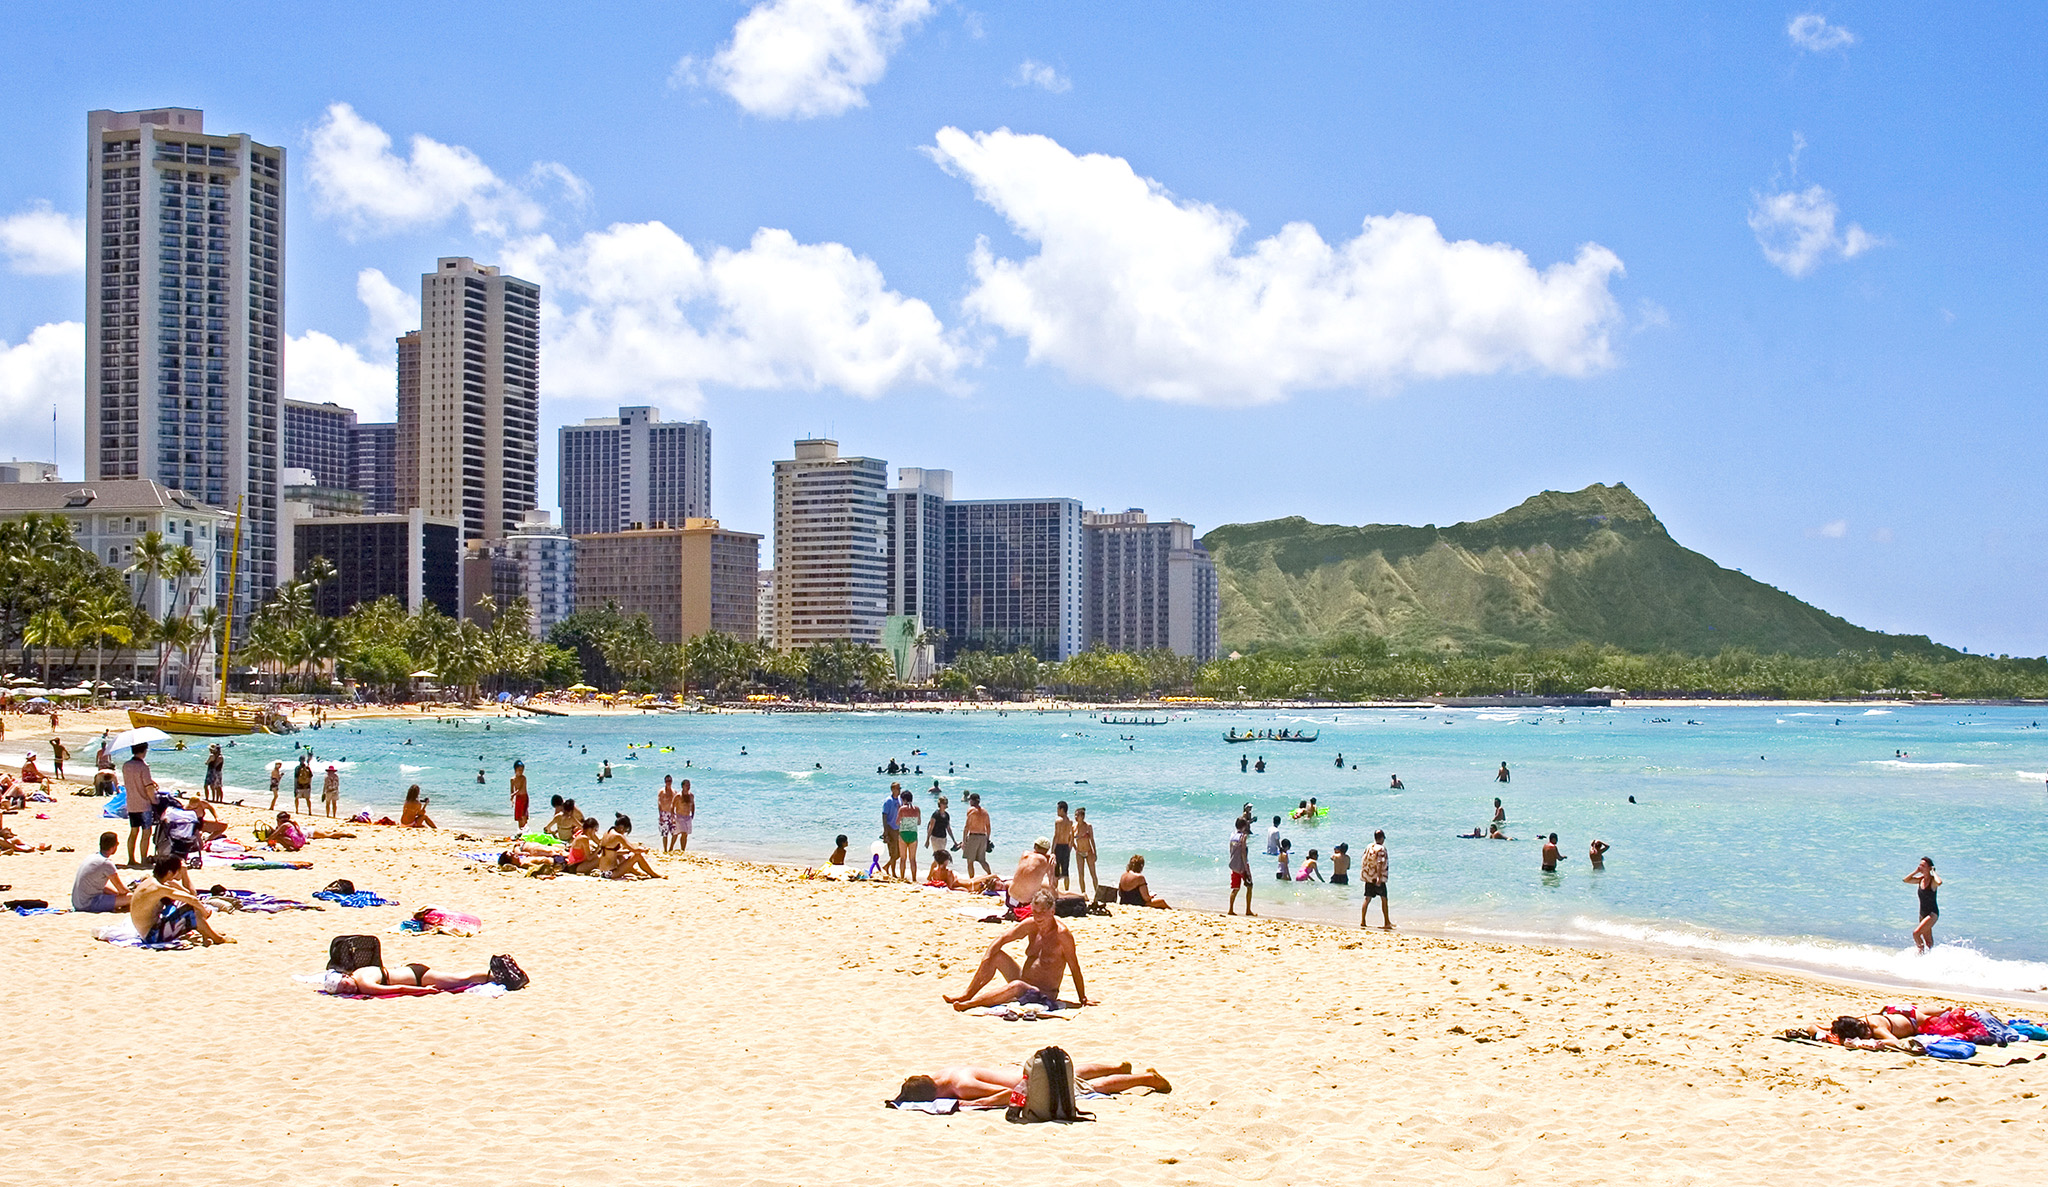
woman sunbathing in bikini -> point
(989, 1087)
(941, 874)
(407, 980)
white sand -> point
(735, 1024)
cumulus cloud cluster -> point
(42, 241)
(1150, 295)
(641, 311)
(632, 311)
(798, 59)
(357, 178)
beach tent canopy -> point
(504, 696)
(423, 674)
(1609, 689)
(39, 700)
(581, 688)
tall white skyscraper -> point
(619, 471)
(478, 413)
(831, 547)
(184, 361)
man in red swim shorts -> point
(1241, 865)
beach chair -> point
(346, 954)
(1104, 896)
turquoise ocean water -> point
(1766, 834)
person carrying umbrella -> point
(137, 784)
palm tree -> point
(182, 562)
(172, 632)
(45, 629)
(152, 559)
(99, 618)
(204, 633)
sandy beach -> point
(738, 1023)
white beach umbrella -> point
(423, 674)
(137, 737)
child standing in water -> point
(1286, 856)
(1340, 865)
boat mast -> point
(227, 629)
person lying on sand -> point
(162, 910)
(407, 980)
(618, 856)
(1049, 953)
(941, 874)
(291, 836)
(988, 1087)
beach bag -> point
(506, 971)
(1948, 1049)
(1050, 1091)
(346, 954)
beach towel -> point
(436, 921)
(259, 903)
(27, 911)
(124, 935)
(273, 865)
(361, 898)
(2030, 1029)
(489, 859)
(936, 1108)
(117, 808)
(1955, 1024)
(1021, 1012)
(2000, 1033)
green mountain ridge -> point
(1563, 568)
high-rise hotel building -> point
(633, 471)
(994, 574)
(831, 547)
(478, 405)
(185, 319)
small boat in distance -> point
(1270, 736)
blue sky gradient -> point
(1866, 434)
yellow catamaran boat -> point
(223, 719)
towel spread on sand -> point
(27, 911)
(437, 921)
(260, 903)
(124, 935)
(361, 898)
(1015, 1012)
(273, 865)
(937, 1108)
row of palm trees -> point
(57, 597)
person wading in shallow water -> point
(1924, 877)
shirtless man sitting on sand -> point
(981, 1086)
(163, 910)
(1048, 955)
(1035, 871)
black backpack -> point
(1050, 1091)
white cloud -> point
(796, 59)
(359, 180)
(1834, 529)
(1037, 74)
(361, 375)
(45, 369)
(637, 312)
(1812, 33)
(1796, 230)
(321, 369)
(393, 311)
(42, 241)
(1148, 295)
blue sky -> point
(1776, 267)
